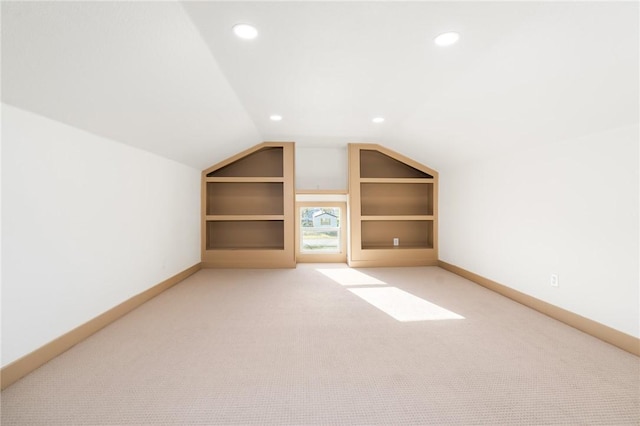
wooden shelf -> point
(245, 179)
(240, 218)
(398, 217)
(392, 247)
(245, 198)
(411, 233)
(396, 180)
(376, 164)
(248, 209)
(251, 234)
(392, 197)
(267, 161)
(396, 199)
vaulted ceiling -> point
(173, 79)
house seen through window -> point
(320, 230)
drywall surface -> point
(87, 223)
(322, 168)
(137, 72)
(569, 208)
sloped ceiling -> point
(171, 78)
(136, 72)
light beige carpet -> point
(248, 347)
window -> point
(320, 230)
(321, 235)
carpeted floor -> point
(306, 346)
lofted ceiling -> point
(171, 77)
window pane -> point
(320, 230)
(317, 241)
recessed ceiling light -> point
(245, 31)
(275, 117)
(378, 120)
(446, 39)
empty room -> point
(303, 213)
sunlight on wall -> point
(393, 301)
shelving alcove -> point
(391, 197)
(248, 209)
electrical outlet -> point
(554, 280)
(396, 242)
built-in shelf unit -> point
(248, 209)
(393, 205)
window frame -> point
(306, 257)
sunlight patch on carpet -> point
(349, 277)
(403, 306)
(393, 301)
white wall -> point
(87, 223)
(569, 208)
(322, 168)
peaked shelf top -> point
(378, 162)
(263, 160)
